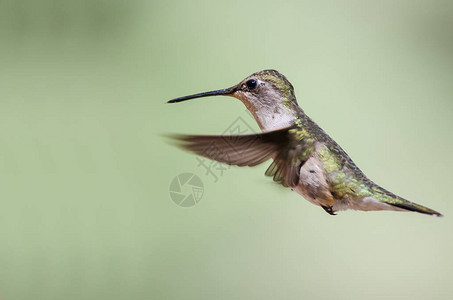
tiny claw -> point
(329, 210)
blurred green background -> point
(85, 210)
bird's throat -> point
(274, 117)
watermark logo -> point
(186, 190)
(214, 168)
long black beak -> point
(224, 92)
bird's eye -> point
(251, 84)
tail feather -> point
(394, 200)
(407, 205)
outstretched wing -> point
(287, 146)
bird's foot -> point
(329, 210)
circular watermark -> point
(186, 189)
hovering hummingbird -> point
(305, 158)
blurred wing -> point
(286, 166)
(286, 146)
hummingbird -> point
(304, 158)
